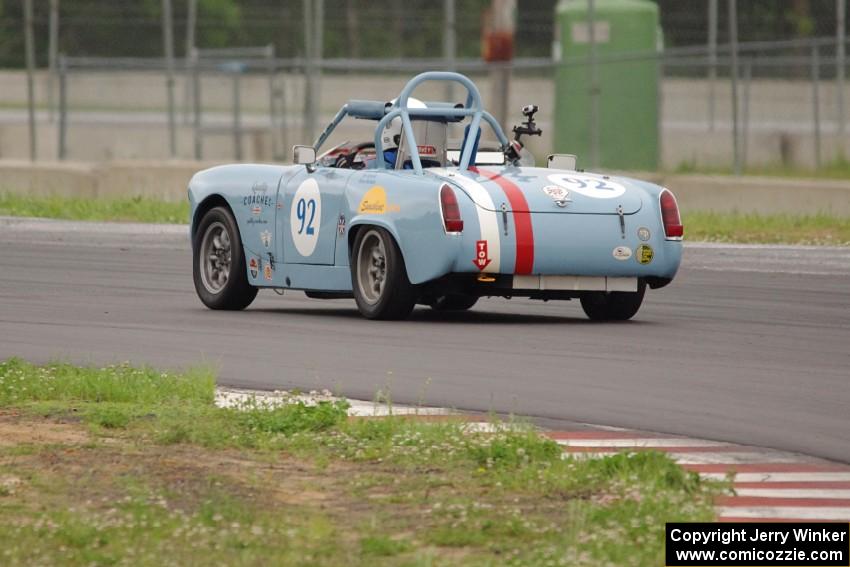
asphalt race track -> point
(749, 344)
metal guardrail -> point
(811, 59)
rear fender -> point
(410, 212)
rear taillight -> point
(670, 215)
(451, 211)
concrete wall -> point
(121, 115)
(763, 195)
(168, 180)
(161, 180)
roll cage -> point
(383, 112)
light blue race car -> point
(409, 218)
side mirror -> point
(561, 161)
(304, 155)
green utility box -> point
(626, 34)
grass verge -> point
(130, 209)
(767, 229)
(132, 466)
(699, 226)
(835, 169)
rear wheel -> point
(453, 302)
(614, 306)
(379, 277)
(218, 268)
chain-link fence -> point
(241, 102)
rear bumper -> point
(545, 287)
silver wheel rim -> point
(371, 267)
(215, 257)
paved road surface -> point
(749, 345)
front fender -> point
(249, 190)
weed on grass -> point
(173, 479)
(22, 382)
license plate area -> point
(575, 283)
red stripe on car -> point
(522, 221)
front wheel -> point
(613, 306)
(221, 279)
(379, 277)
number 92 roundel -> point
(596, 187)
(305, 217)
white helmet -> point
(391, 136)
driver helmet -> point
(391, 136)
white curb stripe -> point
(640, 442)
(768, 477)
(238, 398)
(487, 218)
(731, 458)
(825, 493)
(779, 512)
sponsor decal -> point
(266, 238)
(622, 252)
(254, 267)
(427, 151)
(482, 258)
(256, 221)
(267, 271)
(643, 233)
(522, 220)
(556, 192)
(374, 202)
(368, 178)
(644, 254)
(256, 210)
(340, 225)
(257, 199)
(259, 187)
(597, 187)
(305, 217)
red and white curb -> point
(769, 485)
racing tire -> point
(614, 306)
(218, 263)
(453, 302)
(379, 277)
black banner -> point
(762, 544)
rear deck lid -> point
(540, 190)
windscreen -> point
(430, 138)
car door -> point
(307, 221)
